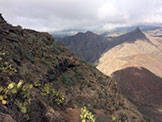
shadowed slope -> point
(143, 88)
(88, 46)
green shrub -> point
(69, 79)
(5, 66)
(73, 77)
(86, 116)
(22, 106)
(57, 97)
(10, 95)
(28, 55)
(100, 95)
(24, 70)
(123, 117)
(84, 83)
(147, 119)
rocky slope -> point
(143, 88)
(40, 80)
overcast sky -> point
(80, 15)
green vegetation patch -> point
(57, 97)
(86, 116)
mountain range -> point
(139, 65)
(89, 46)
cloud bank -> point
(80, 15)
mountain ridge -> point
(90, 47)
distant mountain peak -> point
(138, 29)
(136, 34)
(86, 33)
(89, 32)
(79, 33)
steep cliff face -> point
(40, 80)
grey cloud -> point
(95, 15)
